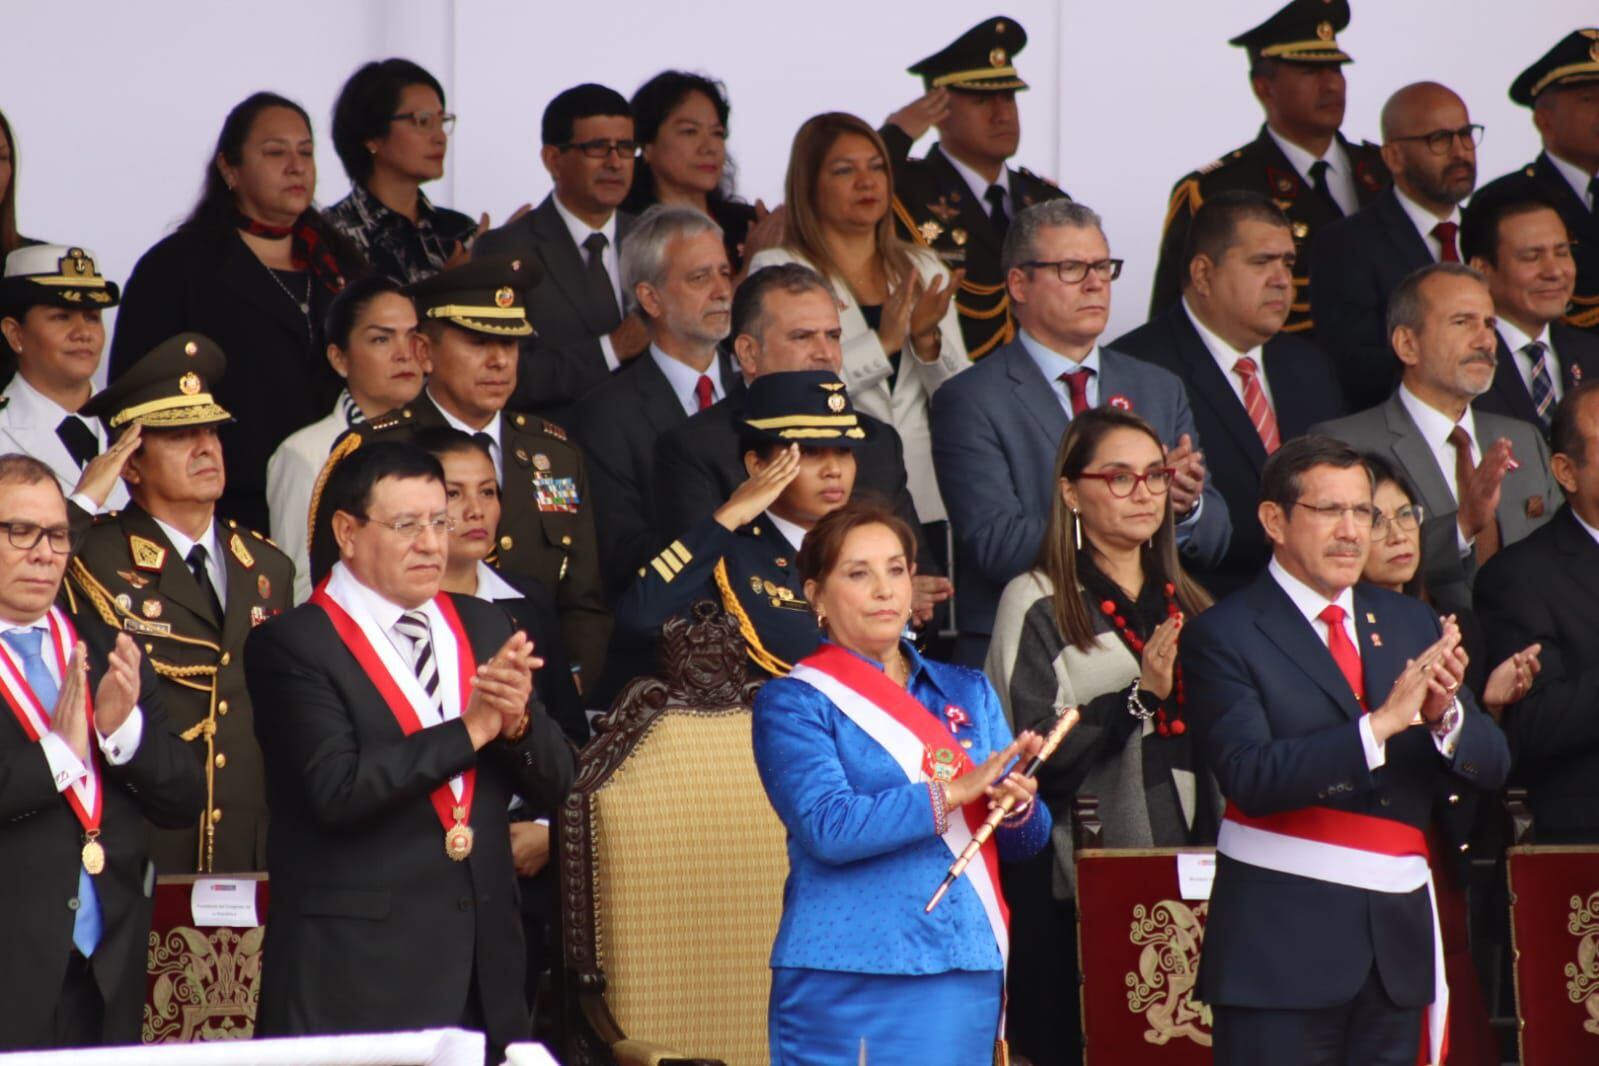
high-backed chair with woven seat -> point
(672, 865)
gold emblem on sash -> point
(458, 839)
(93, 852)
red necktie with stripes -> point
(1343, 650)
(1260, 414)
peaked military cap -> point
(485, 295)
(802, 407)
(980, 61)
(1305, 31)
(1575, 59)
(169, 388)
(53, 275)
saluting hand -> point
(760, 490)
(922, 113)
(102, 473)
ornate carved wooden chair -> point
(1138, 942)
(672, 865)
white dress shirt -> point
(1340, 172)
(611, 257)
(684, 379)
(491, 586)
(979, 186)
(1227, 357)
(65, 767)
(216, 567)
(1575, 176)
(291, 476)
(1052, 365)
(492, 429)
(1516, 340)
(789, 531)
(1424, 220)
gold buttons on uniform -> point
(506, 542)
(566, 539)
(227, 657)
(222, 760)
(222, 706)
(216, 815)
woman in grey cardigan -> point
(1095, 625)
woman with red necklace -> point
(1095, 625)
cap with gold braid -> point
(801, 407)
(170, 388)
(1575, 59)
(982, 60)
(1305, 31)
(54, 275)
(485, 295)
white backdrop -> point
(115, 108)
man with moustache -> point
(1484, 480)
(1562, 90)
(575, 236)
(190, 586)
(1301, 159)
(1515, 236)
(404, 722)
(677, 275)
(1430, 147)
(1331, 713)
(471, 319)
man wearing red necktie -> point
(1329, 713)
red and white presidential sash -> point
(397, 682)
(912, 736)
(1345, 848)
(83, 795)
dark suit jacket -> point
(1355, 264)
(699, 464)
(373, 927)
(562, 359)
(278, 376)
(41, 843)
(1576, 354)
(1278, 725)
(996, 429)
(1581, 224)
(1304, 392)
(1545, 589)
(535, 614)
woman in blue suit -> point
(880, 764)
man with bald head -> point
(1430, 146)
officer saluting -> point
(188, 587)
(960, 198)
(1300, 159)
(471, 318)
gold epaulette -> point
(384, 422)
(341, 451)
(1185, 195)
(538, 425)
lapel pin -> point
(1376, 640)
(1371, 619)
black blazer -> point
(1278, 725)
(1355, 264)
(1582, 225)
(41, 844)
(374, 928)
(1304, 391)
(278, 377)
(562, 359)
(1576, 356)
(535, 614)
(700, 462)
(1545, 588)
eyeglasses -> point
(1072, 271)
(599, 148)
(27, 535)
(412, 528)
(1439, 141)
(1123, 483)
(1408, 519)
(1364, 513)
(426, 120)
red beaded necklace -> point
(1164, 725)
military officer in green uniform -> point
(188, 586)
(1300, 159)
(959, 199)
(471, 318)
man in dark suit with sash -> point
(403, 723)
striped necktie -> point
(413, 625)
(1543, 382)
(1260, 413)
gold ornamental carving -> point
(1582, 976)
(206, 984)
(1162, 990)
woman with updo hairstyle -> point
(1095, 625)
(391, 131)
(254, 267)
(681, 120)
(880, 763)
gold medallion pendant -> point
(93, 853)
(458, 838)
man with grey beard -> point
(1484, 480)
(1430, 146)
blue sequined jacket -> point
(863, 857)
